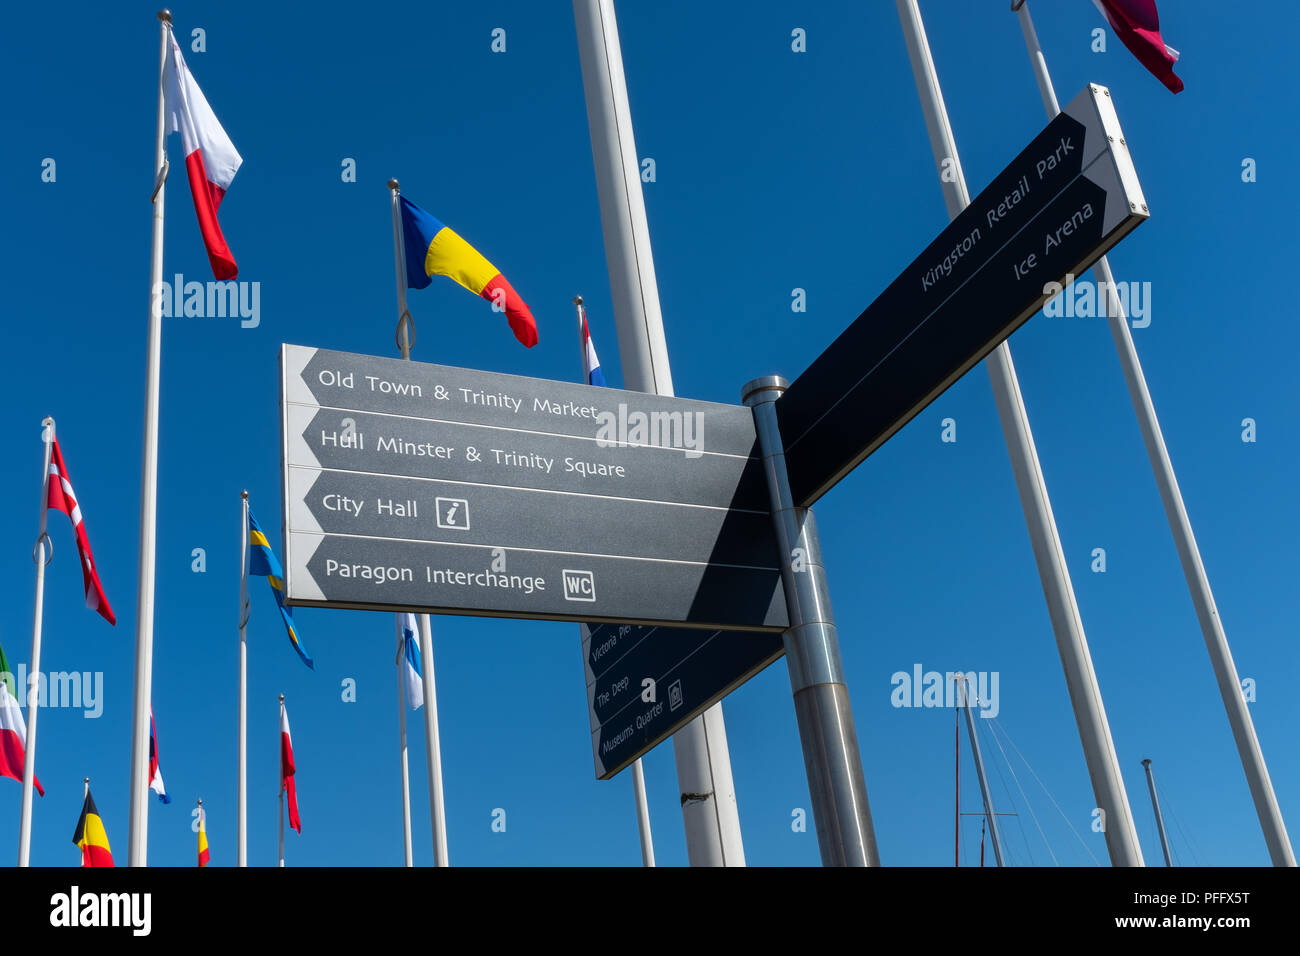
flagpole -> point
(241, 809)
(138, 832)
(39, 555)
(710, 815)
(432, 745)
(401, 713)
(1054, 576)
(279, 757)
(643, 814)
(85, 787)
(638, 771)
(582, 345)
(1198, 582)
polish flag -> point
(1137, 24)
(211, 159)
(62, 498)
(287, 769)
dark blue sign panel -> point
(645, 683)
(1068, 197)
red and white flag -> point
(287, 769)
(1137, 24)
(62, 498)
(13, 730)
(211, 159)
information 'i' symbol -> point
(451, 513)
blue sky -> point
(775, 170)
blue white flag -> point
(410, 653)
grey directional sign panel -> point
(1068, 197)
(425, 487)
(691, 670)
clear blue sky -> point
(775, 170)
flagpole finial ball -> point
(282, 698)
(577, 300)
(393, 184)
(85, 780)
(165, 15)
(244, 494)
(200, 801)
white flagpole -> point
(241, 810)
(432, 744)
(279, 763)
(401, 712)
(39, 555)
(432, 747)
(582, 344)
(1198, 582)
(1063, 608)
(643, 815)
(710, 814)
(138, 832)
(638, 771)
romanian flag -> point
(91, 836)
(13, 730)
(433, 249)
(203, 837)
(263, 563)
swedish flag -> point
(263, 563)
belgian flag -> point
(91, 836)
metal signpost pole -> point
(821, 700)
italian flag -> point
(13, 730)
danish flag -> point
(62, 498)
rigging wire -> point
(1011, 800)
(1034, 816)
(1076, 833)
(1183, 833)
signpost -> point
(421, 487)
(1069, 196)
(665, 523)
(689, 671)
